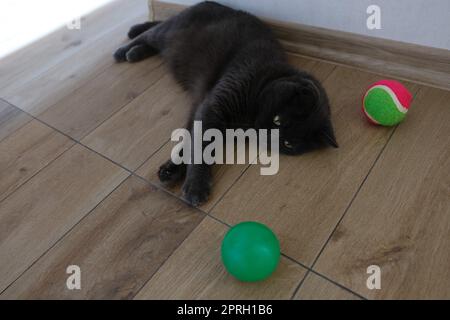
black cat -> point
(238, 76)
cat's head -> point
(298, 106)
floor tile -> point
(117, 247)
(25, 152)
(40, 212)
(11, 119)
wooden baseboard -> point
(426, 65)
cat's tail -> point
(141, 28)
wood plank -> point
(397, 59)
(321, 70)
(305, 200)
(138, 130)
(28, 63)
(11, 119)
(53, 85)
(195, 271)
(25, 152)
(318, 288)
(117, 247)
(34, 217)
(400, 220)
(99, 98)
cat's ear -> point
(328, 135)
(309, 94)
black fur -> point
(238, 76)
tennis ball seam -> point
(370, 117)
(379, 105)
(400, 107)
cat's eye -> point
(288, 145)
(277, 121)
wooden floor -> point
(81, 139)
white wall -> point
(24, 21)
(424, 22)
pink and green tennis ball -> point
(386, 103)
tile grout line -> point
(297, 288)
(338, 284)
(310, 270)
(21, 126)
(65, 234)
(151, 156)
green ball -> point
(250, 251)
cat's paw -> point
(137, 53)
(138, 29)
(135, 31)
(170, 173)
(196, 191)
(121, 54)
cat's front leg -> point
(142, 46)
(198, 183)
(135, 51)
